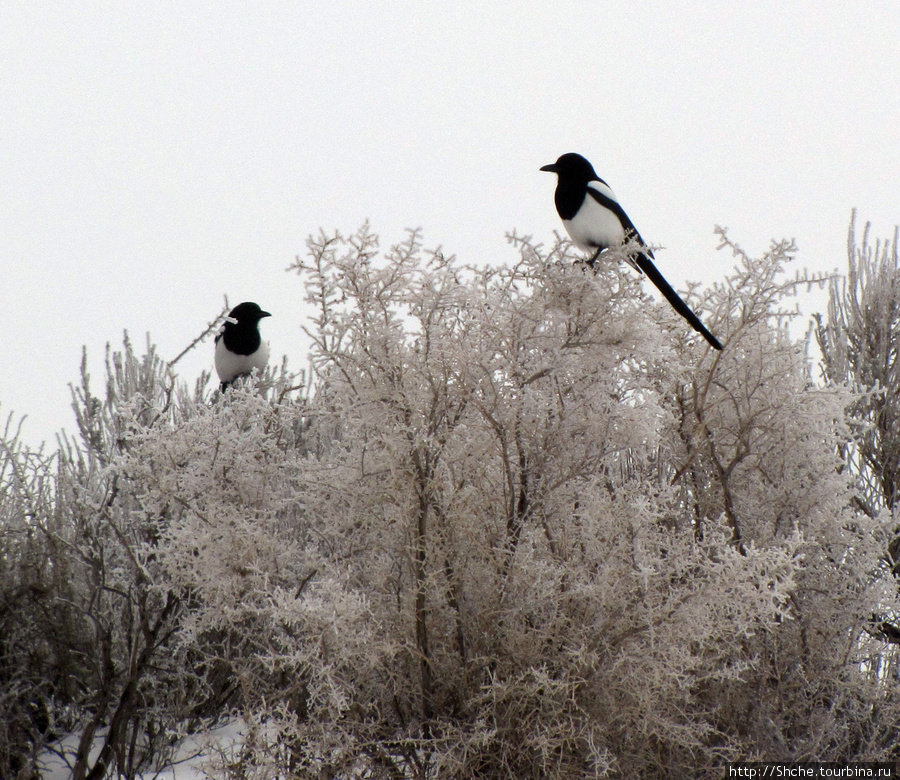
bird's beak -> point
(550, 168)
(264, 314)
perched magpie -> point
(239, 347)
(595, 221)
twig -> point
(209, 328)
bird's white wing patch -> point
(603, 188)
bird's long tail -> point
(646, 265)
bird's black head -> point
(572, 166)
(247, 313)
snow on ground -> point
(187, 763)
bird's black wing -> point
(613, 205)
(644, 261)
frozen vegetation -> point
(514, 522)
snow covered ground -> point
(188, 762)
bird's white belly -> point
(229, 365)
(594, 226)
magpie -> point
(595, 221)
(239, 347)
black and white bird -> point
(239, 347)
(595, 221)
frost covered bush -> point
(522, 524)
(859, 340)
(587, 544)
(84, 624)
(94, 624)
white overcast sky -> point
(157, 156)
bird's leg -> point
(595, 256)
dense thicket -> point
(520, 523)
